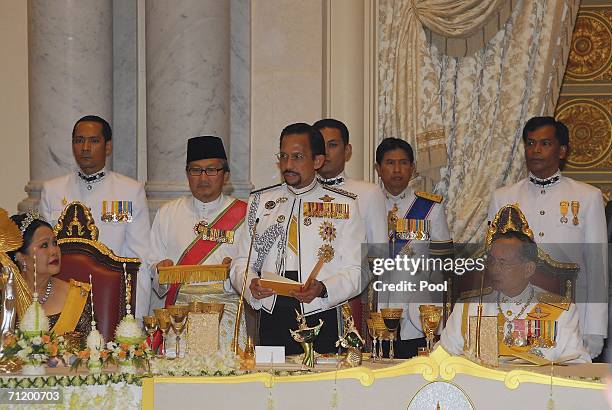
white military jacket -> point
(107, 192)
(550, 213)
(437, 232)
(327, 219)
(568, 336)
(173, 231)
(371, 205)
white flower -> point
(37, 340)
(129, 328)
(34, 319)
(94, 356)
(95, 341)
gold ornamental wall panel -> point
(585, 102)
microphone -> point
(241, 300)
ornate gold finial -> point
(128, 290)
(508, 218)
(75, 223)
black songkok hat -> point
(205, 147)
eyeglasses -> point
(295, 156)
(196, 171)
(501, 265)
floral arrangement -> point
(94, 355)
(221, 363)
(33, 348)
(32, 342)
(129, 349)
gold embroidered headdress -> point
(11, 239)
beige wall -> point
(286, 76)
(309, 60)
(14, 137)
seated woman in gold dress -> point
(66, 304)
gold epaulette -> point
(428, 195)
(468, 294)
(340, 191)
(554, 300)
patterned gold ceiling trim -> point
(589, 122)
(591, 53)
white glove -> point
(593, 344)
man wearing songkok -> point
(200, 229)
(534, 321)
(417, 227)
(297, 225)
(117, 203)
(567, 218)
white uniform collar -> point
(337, 180)
(211, 206)
(546, 182)
(93, 178)
(300, 191)
(523, 297)
(397, 198)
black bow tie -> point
(91, 178)
(544, 182)
(331, 181)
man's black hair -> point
(336, 124)
(315, 138)
(390, 144)
(107, 132)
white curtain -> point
(464, 115)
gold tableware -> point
(391, 318)
(163, 322)
(178, 321)
(430, 320)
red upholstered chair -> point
(83, 254)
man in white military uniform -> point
(534, 321)
(117, 203)
(301, 222)
(199, 229)
(371, 200)
(417, 226)
(567, 218)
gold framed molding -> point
(590, 123)
(590, 58)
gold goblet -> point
(380, 330)
(374, 336)
(178, 321)
(163, 321)
(150, 326)
(391, 317)
(430, 320)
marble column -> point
(189, 46)
(70, 75)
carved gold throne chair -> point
(83, 254)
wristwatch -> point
(323, 293)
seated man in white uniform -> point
(199, 229)
(534, 321)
